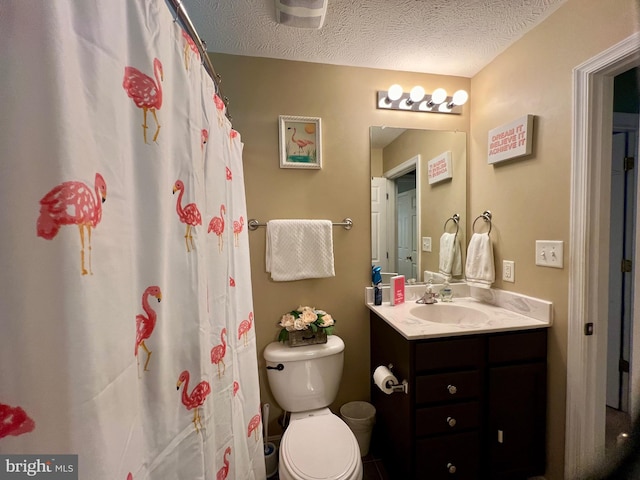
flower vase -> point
(299, 338)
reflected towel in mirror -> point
(450, 255)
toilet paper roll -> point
(384, 379)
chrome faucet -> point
(429, 297)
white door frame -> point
(405, 167)
(589, 248)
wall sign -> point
(511, 140)
(439, 168)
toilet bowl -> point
(319, 445)
(316, 445)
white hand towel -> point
(299, 249)
(480, 270)
(450, 256)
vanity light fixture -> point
(417, 101)
(393, 94)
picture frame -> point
(300, 142)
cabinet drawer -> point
(516, 347)
(448, 386)
(465, 353)
(447, 418)
(448, 456)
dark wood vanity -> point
(475, 409)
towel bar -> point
(347, 223)
(456, 219)
(486, 216)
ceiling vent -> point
(301, 13)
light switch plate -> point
(549, 253)
(426, 244)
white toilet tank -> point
(307, 377)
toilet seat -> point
(320, 448)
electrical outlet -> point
(426, 244)
(549, 253)
(508, 271)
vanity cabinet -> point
(475, 409)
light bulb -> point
(439, 95)
(395, 92)
(417, 93)
(460, 97)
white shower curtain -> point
(126, 316)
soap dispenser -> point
(446, 294)
(376, 281)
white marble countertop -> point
(505, 311)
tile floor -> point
(617, 422)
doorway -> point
(622, 259)
(406, 220)
(395, 219)
(589, 245)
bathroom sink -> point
(450, 314)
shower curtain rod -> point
(183, 15)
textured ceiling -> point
(448, 37)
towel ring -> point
(456, 219)
(486, 216)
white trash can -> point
(360, 417)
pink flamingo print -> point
(254, 423)
(224, 471)
(228, 171)
(218, 352)
(219, 107)
(236, 387)
(244, 327)
(232, 282)
(14, 421)
(301, 143)
(130, 476)
(204, 138)
(145, 93)
(196, 398)
(189, 215)
(216, 225)
(233, 134)
(189, 44)
(237, 229)
(146, 324)
(73, 203)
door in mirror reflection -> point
(380, 188)
(405, 226)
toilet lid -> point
(320, 447)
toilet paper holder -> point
(398, 387)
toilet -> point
(317, 444)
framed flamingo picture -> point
(300, 142)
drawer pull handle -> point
(451, 468)
(452, 389)
(451, 421)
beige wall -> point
(529, 198)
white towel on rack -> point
(299, 249)
(480, 270)
(450, 255)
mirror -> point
(406, 208)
